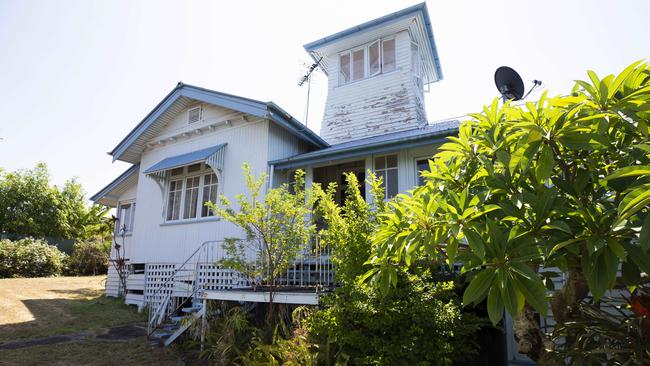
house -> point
(190, 148)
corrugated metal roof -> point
(130, 148)
(422, 32)
(109, 194)
(372, 145)
(184, 159)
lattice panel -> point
(216, 277)
(156, 277)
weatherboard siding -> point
(156, 241)
(377, 105)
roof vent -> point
(194, 115)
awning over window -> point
(212, 156)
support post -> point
(204, 323)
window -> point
(358, 60)
(386, 167)
(188, 191)
(388, 55)
(373, 59)
(415, 64)
(345, 68)
(420, 165)
(369, 60)
(210, 186)
(174, 199)
(191, 197)
(125, 215)
(194, 115)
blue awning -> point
(213, 156)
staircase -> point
(179, 298)
(180, 293)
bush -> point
(29, 258)
(420, 323)
(88, 258)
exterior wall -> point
(155, 241)
(406, 166)
(283, 144)
(374, 106)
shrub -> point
(420, 323)
(29, 258)
(88, 258)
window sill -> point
(126, 235)
(191, 221)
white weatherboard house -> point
(190, 148)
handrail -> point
(154, 313)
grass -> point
(40, 307)
(92, 352)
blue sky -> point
(78, 75)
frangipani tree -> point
(561, 183)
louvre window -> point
(194, 115)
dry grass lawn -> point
(41, 307)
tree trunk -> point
(565, 300)
(530, 338)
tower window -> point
(369, 60)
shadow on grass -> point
(85, 311)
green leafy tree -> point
(276, 228)
(562, 183)
(31, 206)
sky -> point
(77, 76)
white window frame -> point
(386, 169)
(129, 225)
(201, 174)
(366, 62)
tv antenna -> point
(307, 79)
(510, 84)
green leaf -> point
(544, 163)
(531, 285)
(640, 201)
(495, 305)
(512, 298)
(616, 84)
(600, 270)
(583, 141)
(475, 242)
(635, 253)
(558, 225)
(479, 286)
(644, 236)
(630, 171)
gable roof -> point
(414, 18)
(108, 195)
(182, 96)
(391, 142)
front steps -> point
(166, 333)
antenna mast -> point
(307, 78)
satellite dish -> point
(509, 83)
